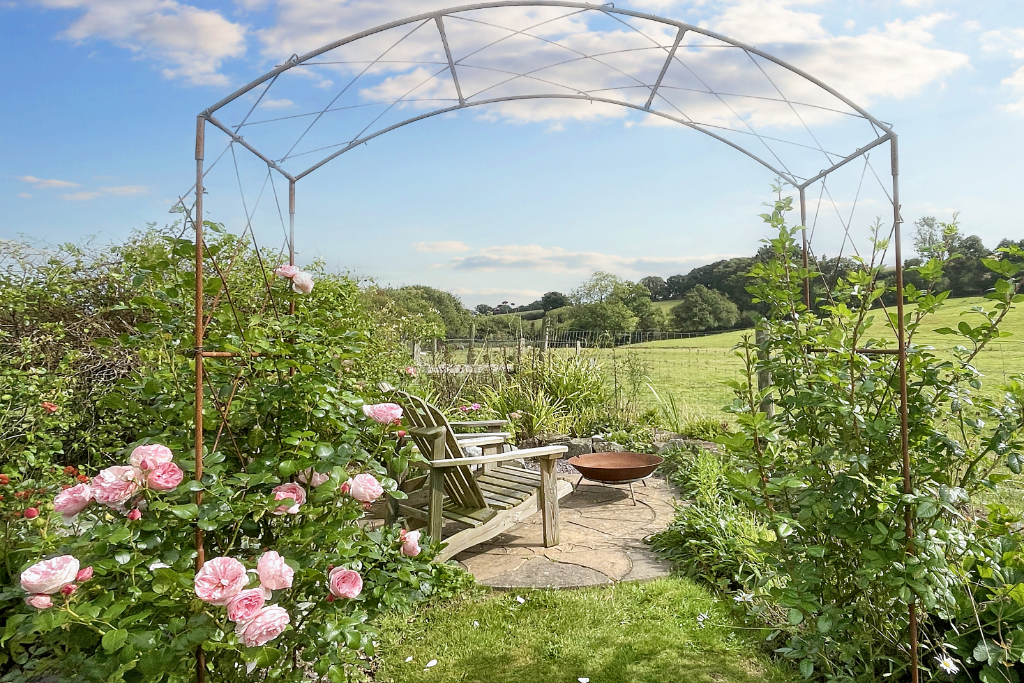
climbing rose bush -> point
(294, 574)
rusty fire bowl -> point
(612, 468)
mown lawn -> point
(634, 632)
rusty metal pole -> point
(904, 408)
(291, 236)
(199, 333)
(803, 224)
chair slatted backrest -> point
(460, 484)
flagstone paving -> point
(601, 541)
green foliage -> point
(552, 300)
(704, 309)
(443, 312)
(291, 401)
(602, 316)
(713, 537)
(687, 420)
(825, 473)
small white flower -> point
(521, 601)
(476, 624)
(743, 597)
(947, 664)
(432, 662)
(583, 679)
(408, 659)
(701, 618)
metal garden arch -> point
(466, 55)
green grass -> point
(695, 369)
(628, 633)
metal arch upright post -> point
(901, 332)
(803, 231)
(291, 234)
(199, 334)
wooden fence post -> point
(471, 355)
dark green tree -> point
(656, 286)
(704, 309)
(553, 300)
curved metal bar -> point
(542, 3)
(355, 143)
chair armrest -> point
(547, 452)
(482, 440)
(428, 432)
(479, 423)
(481, 435)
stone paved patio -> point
(601, 536)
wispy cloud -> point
(276, 104)
(125, 190)
(81, 196)
(24, 195)
(559, 260)
(1011, 42)
(190, 43)
(42, 183)
(444, 246)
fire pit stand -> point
(616, 468)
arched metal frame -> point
(883, 133)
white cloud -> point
(558, 260)
(41, 183)
(81, 196)
(504, 293)
(125, 190)
(1010, 41)
(24, 195)
(191, 43)
(276, 104)
(444, 246)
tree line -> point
(710, 297)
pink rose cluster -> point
(223, 581)
(410, 543)
(384, 413)
(150, 466)
(470, 408)
(293, 496)
(56, 575)
(302, 282)
(363, 487)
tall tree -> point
(656, 286)
(552, 300)
(704, 309)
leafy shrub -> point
(712, 537)
(825, 471)
(286, 410)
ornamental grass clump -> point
(264, 567)
(824, 472)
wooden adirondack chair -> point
(481, 496)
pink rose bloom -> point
(365, 488)
(220, 579)
(40, 601)
(411, 371)
(274, 573)
(292, 492)
(147, 458)
(384, 413)
(312, 477)
(245, 605)
(287, 271)
(345, 583)
(410, 543)
(68, 589)
(70, 502)
(50, 407)
(464, 409)
(114, 485)
(268, 624)
(165, 477)
(302, 283)
(475, 406)
(49, 576)
(84, 575)
(135, 515)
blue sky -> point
(508, 201)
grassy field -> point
(629, 633)
(694, 370)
